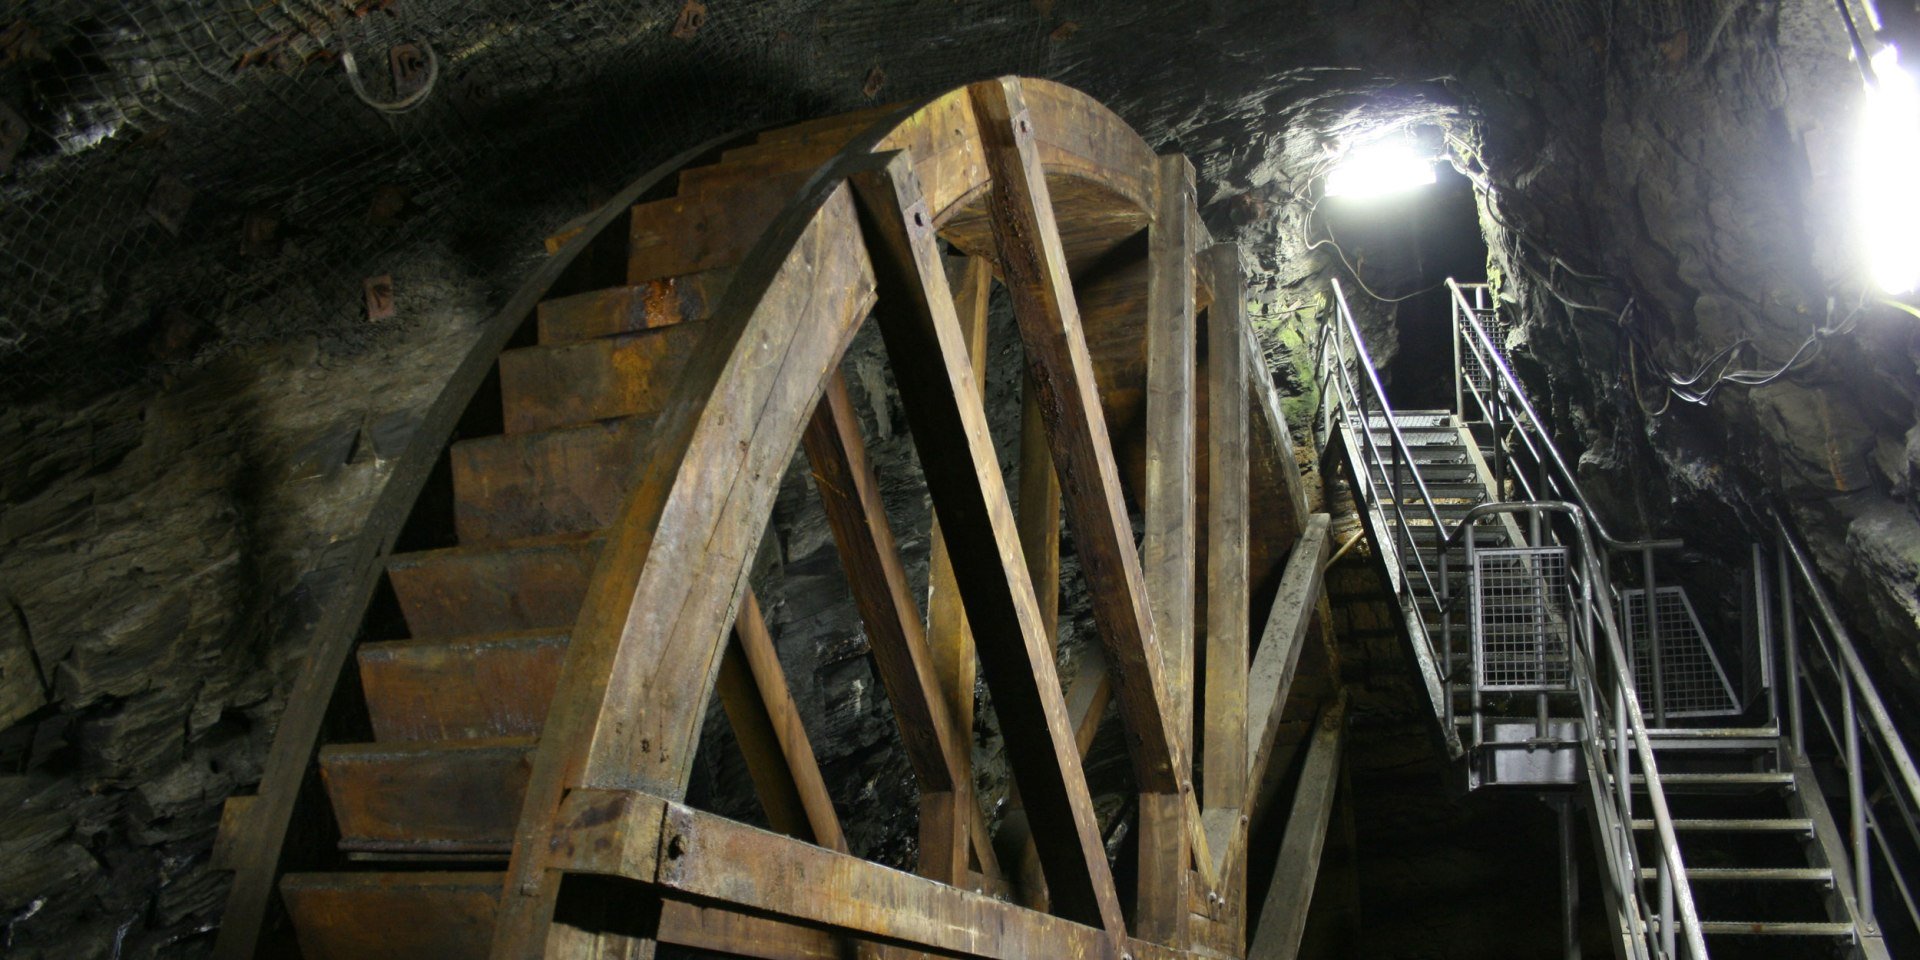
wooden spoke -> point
(1278, 657)
(1168, 546)
(851, 495)
(947, 630)
(949, 427)
(1225, 784)
(1034, 265)
(1283, 917)
(753, 690)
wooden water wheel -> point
(564, 558)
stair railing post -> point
(1763, 634)
(1656, 650)
(1459, 371)
(1856, 798)
(1666, 907)
(1446, 645)
(1790, 656)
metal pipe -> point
(1657, 653)
(1569, 882)
(1856, 800)
(1763, 634)
(1790, 656)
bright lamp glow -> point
(1887, 183)
(1377, 169)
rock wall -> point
(167, 545)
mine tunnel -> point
(1001, 478)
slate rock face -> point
(166, 548)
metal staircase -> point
(1545, 676)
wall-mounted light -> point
(1887, 175)
(1379, 168)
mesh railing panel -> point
(1521, 613)
(1694, 682)
(1475, 372)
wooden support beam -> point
(1283, 917)
(1278, 657)
(1039, 509)
(753, 691)
(850, 493)
(948, 633)
(1033, 264)
(948, 421)
(686, 853)
(1228, 592)
(1160, 911)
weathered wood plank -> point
(647, 645)
(442, 797)
(1283, 916)
(946, 828)
(548, 387)
(533, 584)
(701, 231)
(518, 485)
(1034, 269)
(948, 421)
(766, 722)
(449, 916)
(632, 308)
(1035, 272)
(850, 494)
(1278, 656)
(806, 883)
(1168, 548)
(462, 688)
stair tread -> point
(1770, 874)
(547, 386)
(1754, 825)
(632, 307)
(571, 479)
(529, 584)
(393, 916)
(1740, 777)
(1797, 928)
(453, 797)
(461, 688)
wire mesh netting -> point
(1521, 617)
(168, 167)
(1691, 677)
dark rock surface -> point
(165, 546)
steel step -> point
(1764, 929)
(1753, 874)
(1710, 780)
(1770, 825)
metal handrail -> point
(1493, 359)
(1857, 692)
(1397, 441)
(1624, 722)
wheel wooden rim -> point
(978, 167)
